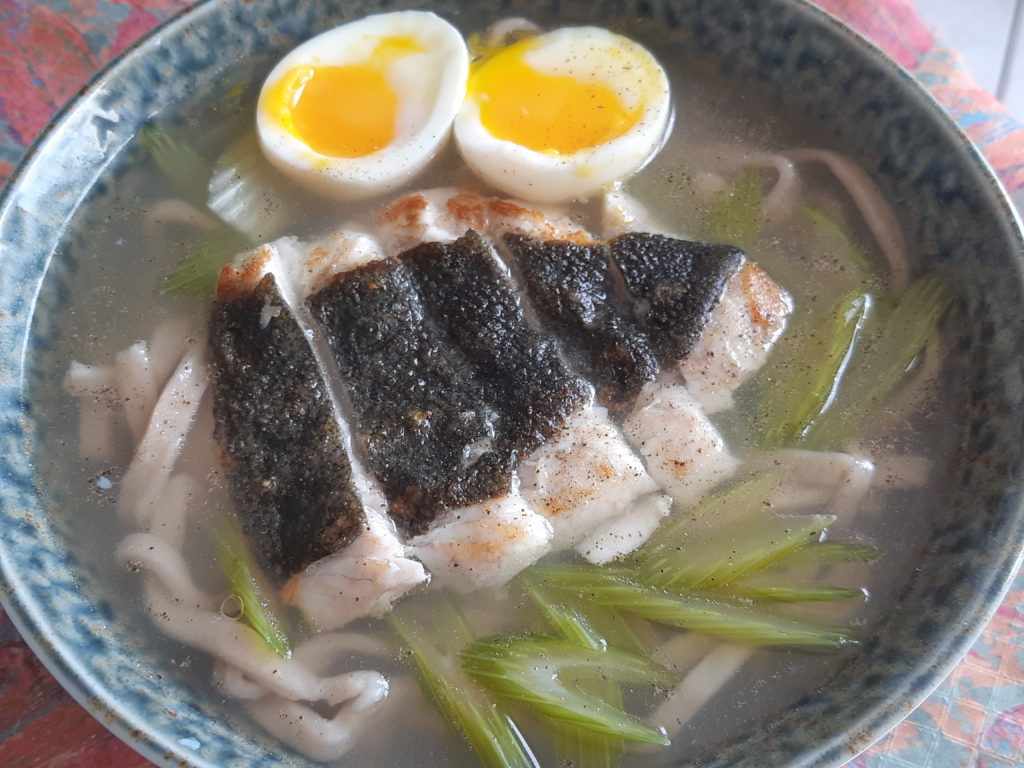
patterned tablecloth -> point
(48, 49)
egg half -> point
(561, 115)
(360, 109)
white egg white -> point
(430, 86)
(587, 54)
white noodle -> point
(781, 201)
(167, 345)
(708, 184)
(698, 687)
(873, 207)
(170, 512)
(95, 386)
(165, 435)
(208, 630)
(173, 211)
(96, 434)
(230, 680)
(307, 731)
(98, 382)
(682, 652)
(811, 478)
(167, 566)
(136, 386)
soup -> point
(845, 291)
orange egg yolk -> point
(553, 114)
(347, 110)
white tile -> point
(1013, 80)
(979, 29)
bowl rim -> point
(32, 622)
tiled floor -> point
(990, 35)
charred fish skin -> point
(475, 302)
(678, 282)
(572, 286)
(289, 476)
(421, 415)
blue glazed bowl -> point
(809, 65)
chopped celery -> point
(734, 502)
(196, 274)
(564, 620)
(830, 553)
(810, 379)
(592, 626)
(434, 643)
(734, 552)
(242, 192)
(574, 746)
(839, 242)
(794, 594)
(735, 215)
(732, 622)
(901, 339)
(186, 168)
(535, 670)
(582, 748)
(247, 586)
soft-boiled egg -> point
(360, 109)
(561, 115)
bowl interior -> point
(810, 76)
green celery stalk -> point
(574, 746)
(582, 748)
(735, 215)
(248, 587)
(829, 553)
(735, 552)
(840, 242)
(736, 502)
(196, 274)
(186, 168)
(736, 623)
(569, 623)
(434, 644)
(903, 337)
(794, 594)
(241, 192)
(534, 670)
(809, 381)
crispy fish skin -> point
(289, 475)
(572, 286)
(477, 305)
(679, 281)
(421, 415)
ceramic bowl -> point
(807, 65)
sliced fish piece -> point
(466, 288)
(572, 287)
(289, 476)
(741, 329)
(683, 451)
(422, 418)
(676, 284)
(583, 478)
(621, 535)
(363, 579)
(447, 213)
(483, 545)
(740, 333)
